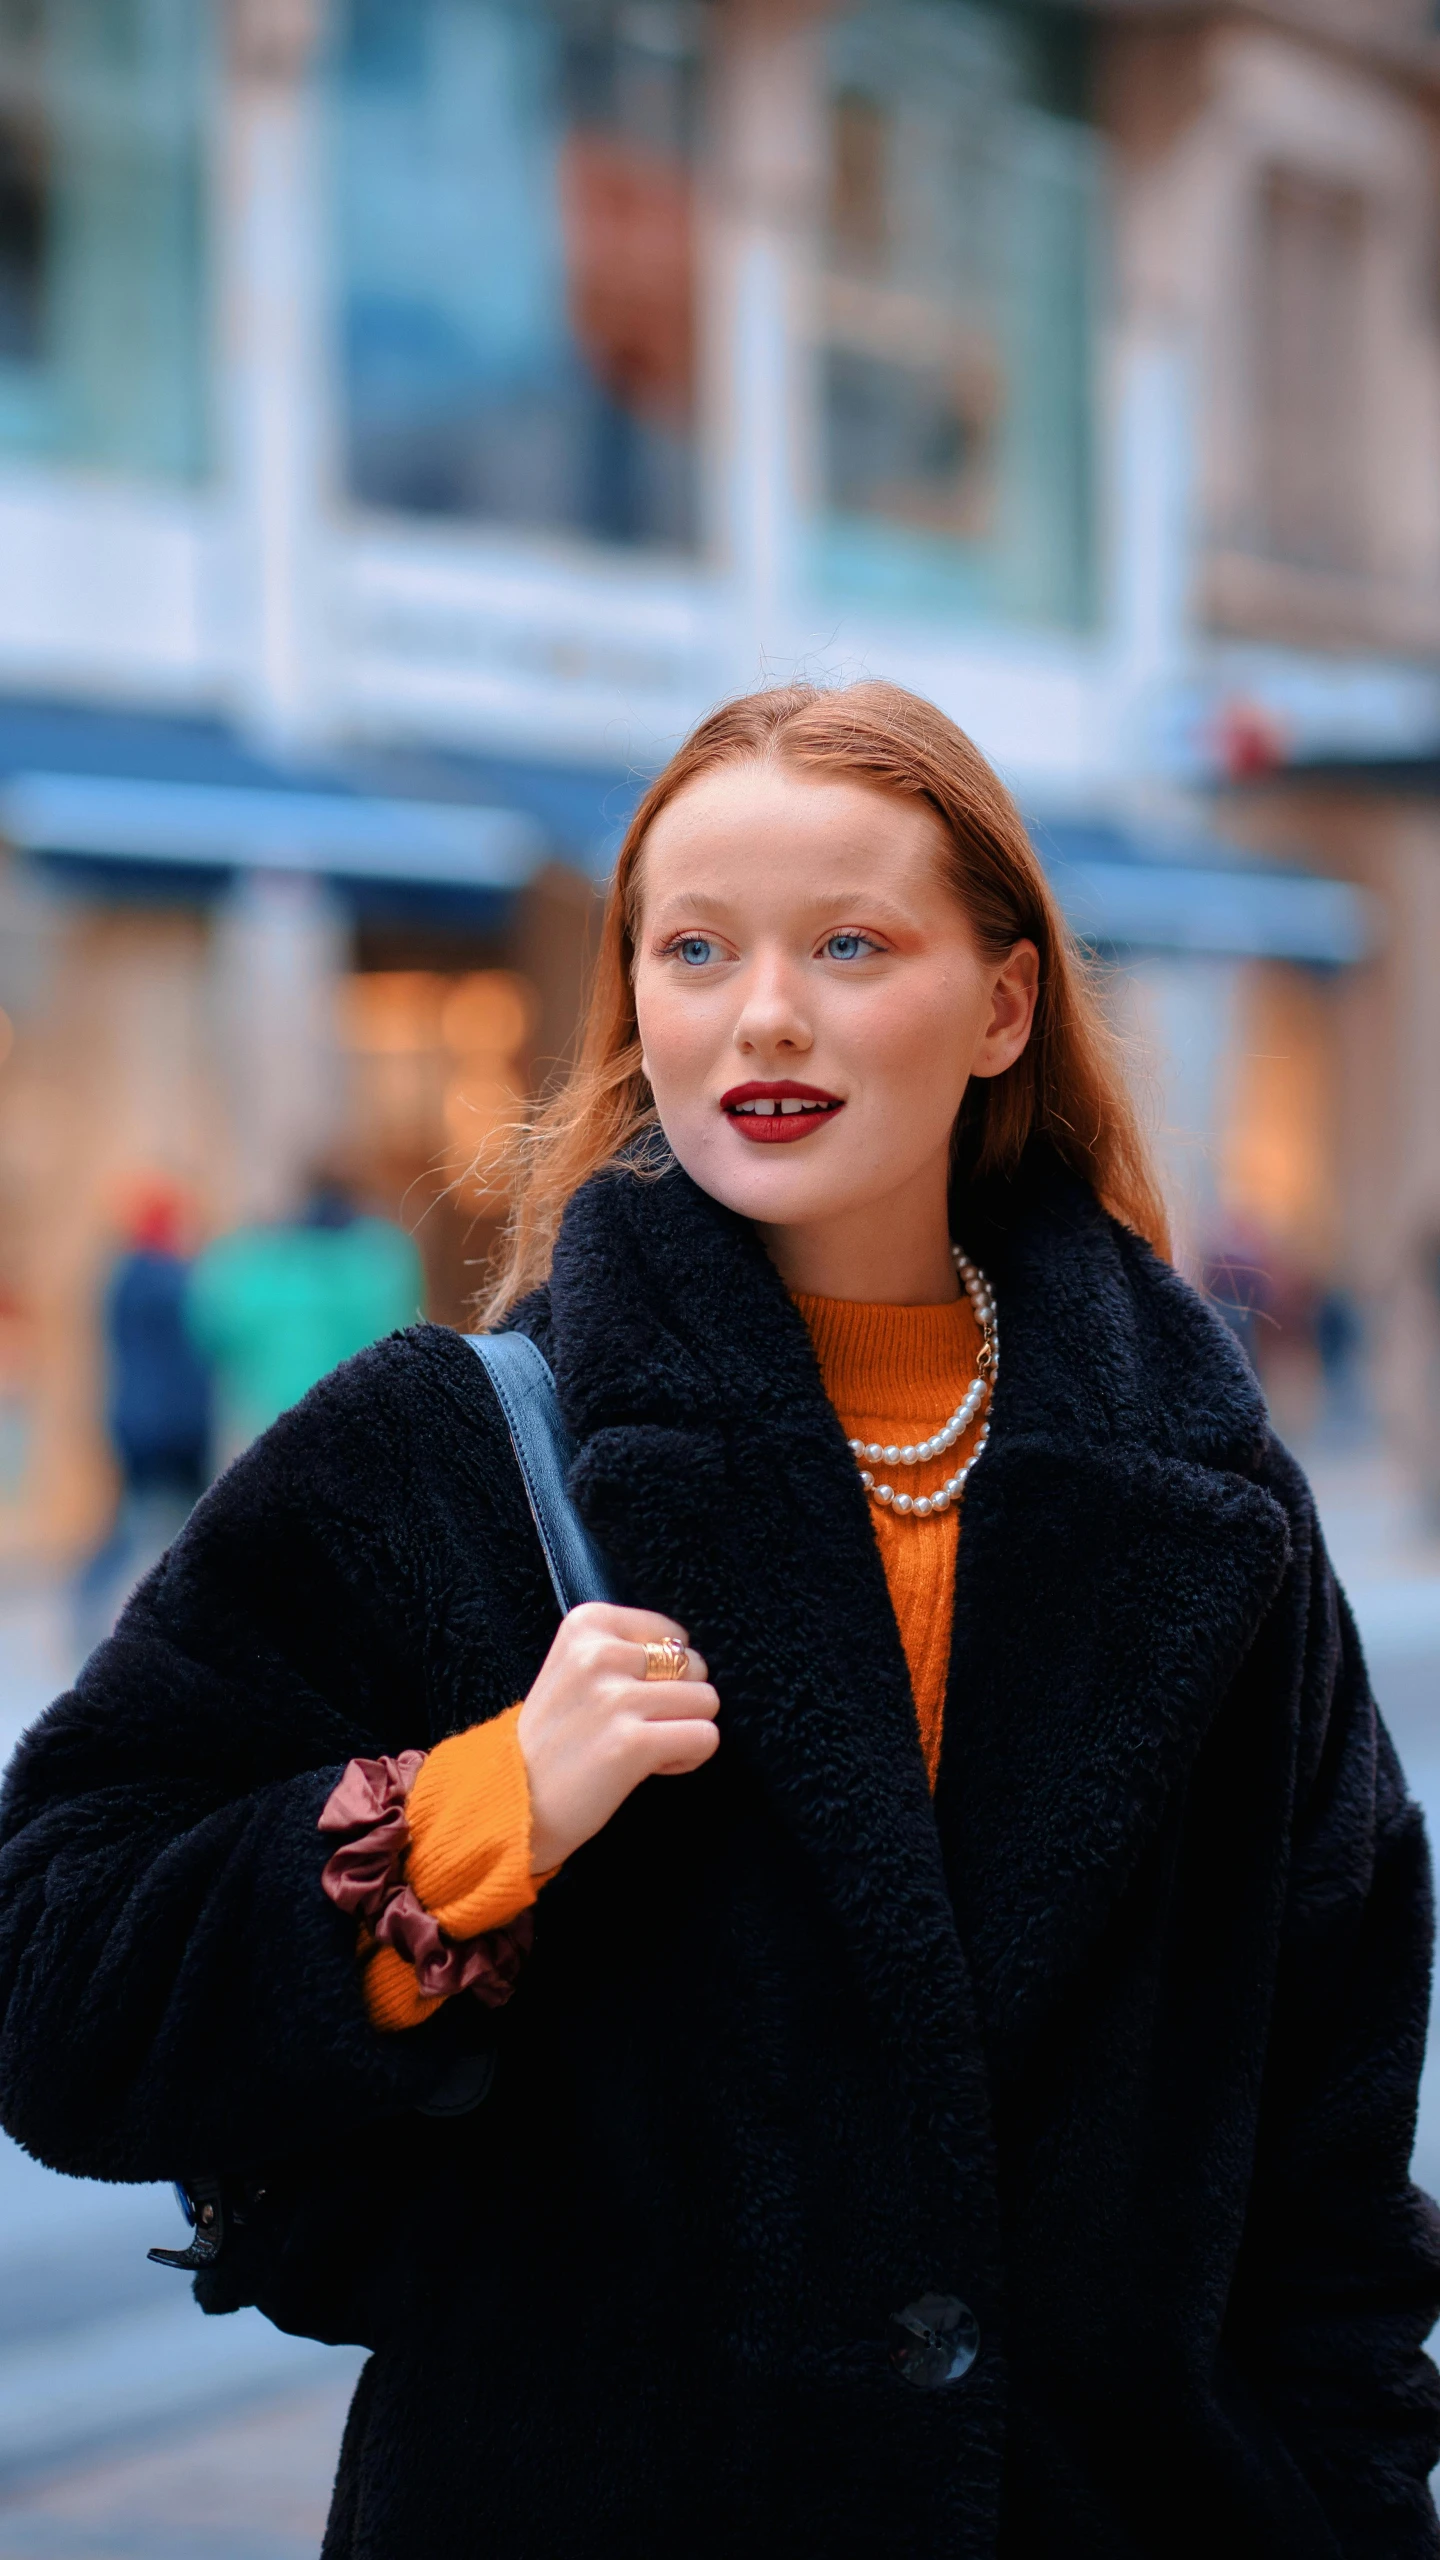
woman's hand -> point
(593, 1726)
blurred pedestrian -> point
(157, 1403)
(1340, 1348)
(275, 1307)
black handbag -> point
(246, 2247)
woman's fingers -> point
(684, 1736)
(613, 1640)
(677, 1701)
(593, 1726)
(690, 1747)
(637, 1626)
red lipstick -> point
(775, 1113)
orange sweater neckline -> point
(878, 1358)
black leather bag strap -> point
(520, 1376)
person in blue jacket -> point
(157, 1404)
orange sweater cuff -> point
(469, 1857)
(392, 1997)
(469, 1816)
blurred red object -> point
(1251, 740)
(156, 1217)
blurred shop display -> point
(960, 269)
(17, 1377)
(517, 267)
(441, 1069)
(272, 1308)
(104, 115)
(414, 413)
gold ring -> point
(666, 1661)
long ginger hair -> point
(1068, 1084)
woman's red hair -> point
(1068, 1086)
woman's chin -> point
(778, 1186)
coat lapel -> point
(713, 1470)
(1115, 1562)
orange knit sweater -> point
(893, 1374)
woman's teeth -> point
(767, 1110)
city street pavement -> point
(251, 2484)
(131, 2428)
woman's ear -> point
(1013, 993)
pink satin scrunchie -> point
(366, 1876)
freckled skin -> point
(804, 930)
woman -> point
(966, 2109)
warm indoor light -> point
(491, 1011)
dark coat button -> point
(934, 2340)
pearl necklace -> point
(979, 1393)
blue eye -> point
(848, 946)
(695, 950)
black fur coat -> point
(1118, 2041)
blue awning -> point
(99, 784)
(1121, 896)
(225, 826)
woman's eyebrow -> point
(816, 904)
(687, 901)
(860, 903)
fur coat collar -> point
(1117, 1495)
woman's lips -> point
(775, 1115)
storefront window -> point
(1309, 370)
(102, 109)
(956, 313)
(516, 263)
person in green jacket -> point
(273, 1308)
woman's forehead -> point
(748, 830)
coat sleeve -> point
(1340, 2278)
(176, 1990)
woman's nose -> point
(771, 1015)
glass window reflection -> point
(103, 113)
(955, 319)
(515, 224)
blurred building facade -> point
(414, 412)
